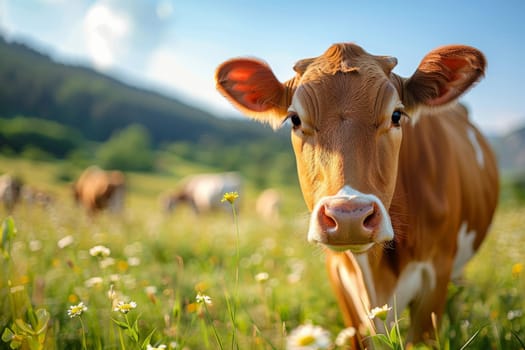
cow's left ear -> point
(443, 75)
(251, 86)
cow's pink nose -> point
(348, 221)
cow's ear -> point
(251, 86)
(443, 75)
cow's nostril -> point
(372, 220)
(326, 221)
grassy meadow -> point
(264, 280)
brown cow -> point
(97, 189)
(401, 194)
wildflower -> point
(379, 312)
(343, 338)
(230, 197)
(512, 314)
(161, 346)
(64, 242)
(262, 277)
(294, 277)
(35, 245)
(150, 292)
(76, 310)
(114, 277)
(94, 282)
(308, 337)
(129, 281)
(133, 261)
(72, 298)
(16, 289)
(297, 267)
(125, 307)
(133, 249)
(112, 295)
(516, 270)
(203, 299)
(106, 262)
(99, 251)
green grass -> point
(162, 262)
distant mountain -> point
(33, 85)
(510, 149)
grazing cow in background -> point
(268, 205)
(97, 189)
(401, 191)
(203, 192)
(10, 189)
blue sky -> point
(175, 45)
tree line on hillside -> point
(131, 149)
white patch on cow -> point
(355, 286)
(465, 250)
(416, 278)
(362, 261)
(471, 134)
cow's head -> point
(346, 108)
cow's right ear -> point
(251, 87)
(443, 75)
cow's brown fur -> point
(433, 172)
(97, 189)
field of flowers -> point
(228, 280)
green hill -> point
(34, 85)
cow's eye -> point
(294, 118)
(396, 118)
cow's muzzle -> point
(350, 220)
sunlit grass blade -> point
(471, 339)
(517, 337)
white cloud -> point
(124, 33)
(105, 31)
(164, 9)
